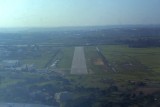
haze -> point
(55, 13)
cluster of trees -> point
(133, 36)
(142, 43)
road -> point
(79, 62)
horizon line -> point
(82, 26)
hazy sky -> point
(53, 13)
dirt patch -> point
(98, 62)
(147, 91)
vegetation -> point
(66, 59)
(123, 68)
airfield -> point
(95, 66)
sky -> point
(57, 13)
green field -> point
(137, 62)
(66, 59)
(39, 62)
(42, 57)
(147, 56)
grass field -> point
(43, 58)
(147, 56)
(136, 62)
(47, 57)
(39, 62)
(66, 59)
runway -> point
(79, 62)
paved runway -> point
(79, 62)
